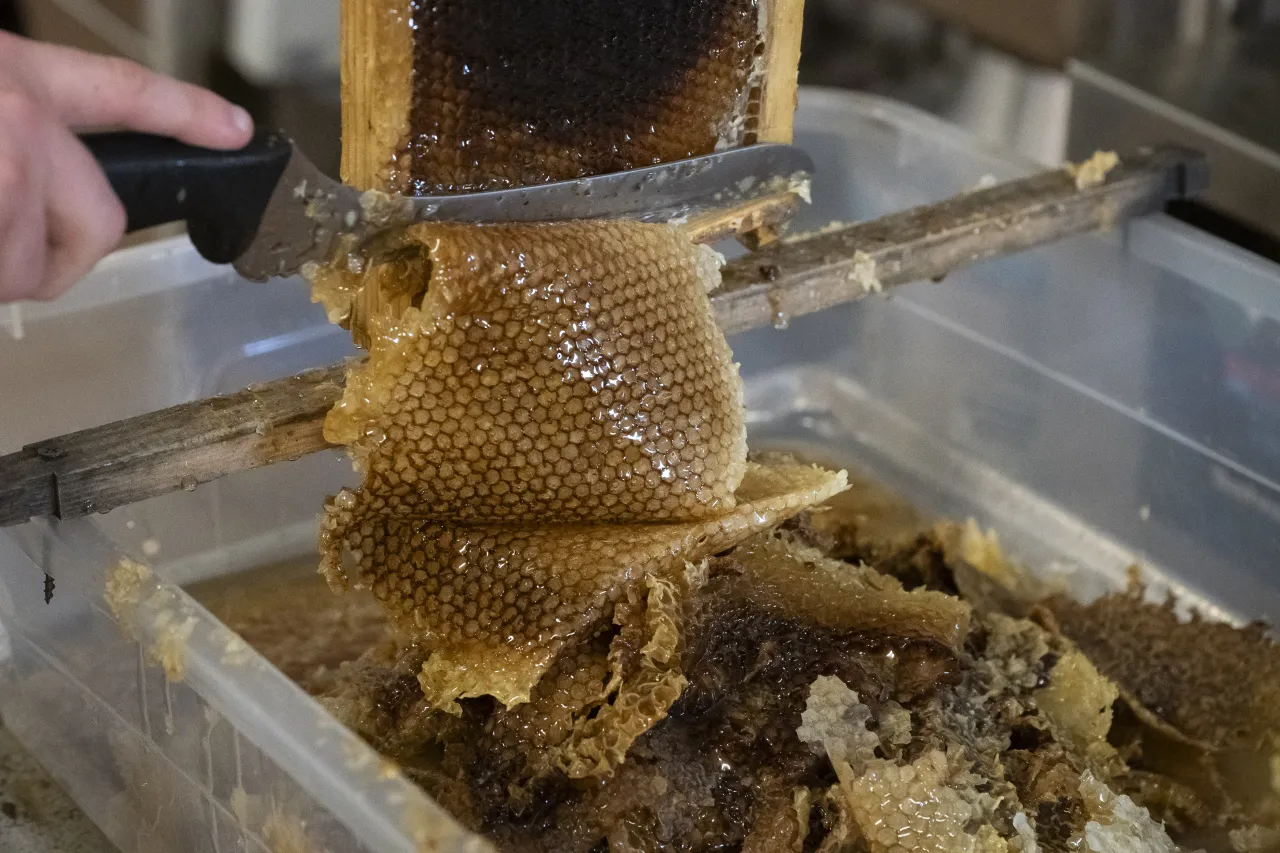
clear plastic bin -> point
(1108, 401)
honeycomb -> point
(1078, 702)
(1214, 684)
(557, 420)
(567, 372)
(1117, 823)
(512, 93)
(497, 603)
(719, 708)
(804, 582)
(835, 722)
(609, 629)
(911, 808)
(599, 696)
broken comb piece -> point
(559, 422)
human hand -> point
(58, 214)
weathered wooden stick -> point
(179, 448)
(798, 277)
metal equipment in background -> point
(1057, 79)
(1205, 73)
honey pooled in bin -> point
(559, 420)
(515, 92)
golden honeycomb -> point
(515, 93)
(557, 421)
(1210, 683)
(569, 372)
(497, 603)
(598, 698)
(911, 808)
(723, 706)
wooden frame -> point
(377, 83)
(783, 22)
(377, 89)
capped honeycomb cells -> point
(911, 808)
(752, 716)
(1207, 683)
(602, 637)
(515, 92)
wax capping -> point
(779, 697)
(558, 425)
(512, 93)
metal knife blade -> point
(311, 216)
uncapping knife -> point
(269, 211)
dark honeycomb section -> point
(514, 92)
(1212, 683)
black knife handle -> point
(221, 195)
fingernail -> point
(241, 119)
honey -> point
(759, 717)
(552, 373)
(515, 92)
(608, 627)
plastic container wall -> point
(1099, 402)
(163, 726)
(1130, 380)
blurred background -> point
(1049, 79)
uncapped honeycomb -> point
(717, 709)
(911, 808)
(599, 696)
(1078, 702)
(896, 807)
(834, 722)
(804, 582)
(563, 373)
(645, 681)
(515, 92)
(558, 420)
(1119, 824)
(497, 603)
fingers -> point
(84, 220)
(58, 214)
(22, 222)
(86, 90)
